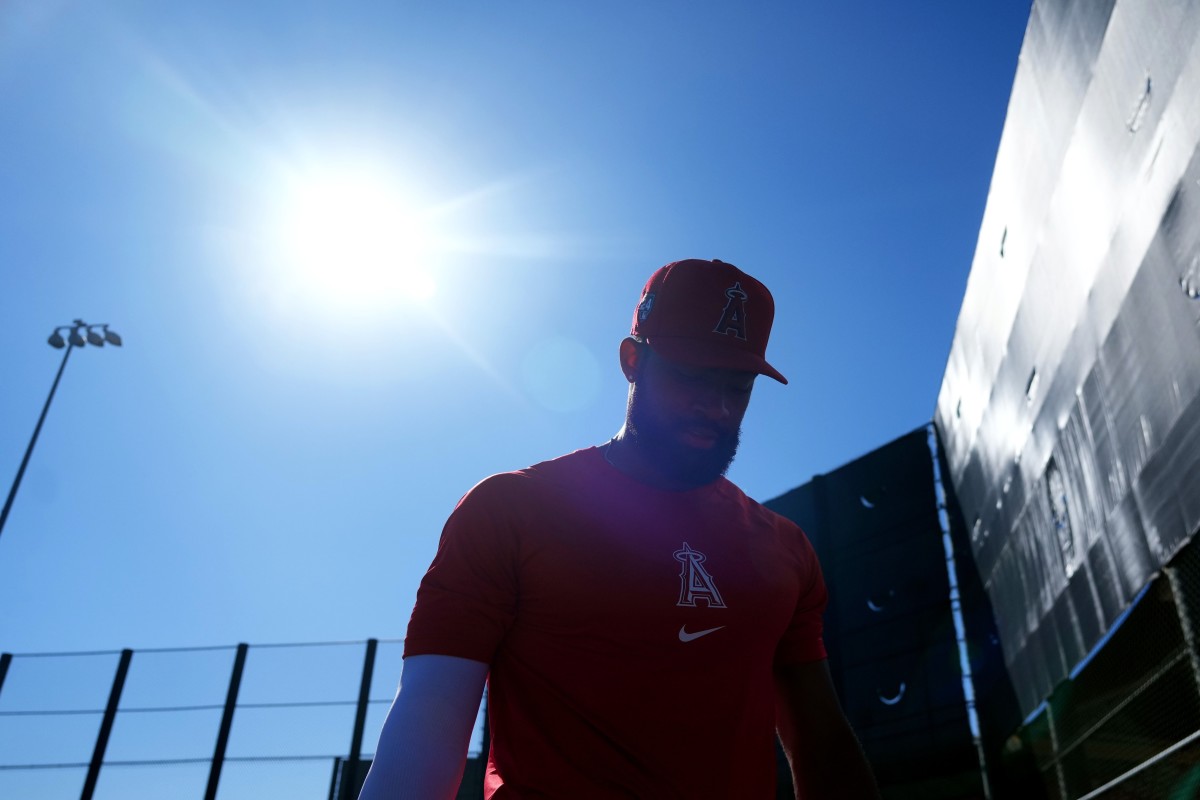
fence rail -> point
(150, 722)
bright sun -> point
(350, 238)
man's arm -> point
(827, 760)
(424, 741)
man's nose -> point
(713, 402)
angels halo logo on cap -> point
(707, 314)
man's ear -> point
(631, 358)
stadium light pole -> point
(74, 339)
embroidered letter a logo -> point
(694, 581)
(733, 318)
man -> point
(643, 626)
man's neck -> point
(626, 454)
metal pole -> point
(12, 493)
(235, 683)
(1181, 610)
(110, 714)
(1059, 774)
(5, 660)
(350, 770)
(485, 749)
(333, 782)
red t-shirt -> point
(631, 631)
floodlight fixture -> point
(74, 339)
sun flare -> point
(353, 239)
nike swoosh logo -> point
(684, 636)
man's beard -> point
(693, 466)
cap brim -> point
(700, 354)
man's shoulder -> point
(565, 468)
(757, 512)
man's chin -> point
(692, 453)
(701, 464)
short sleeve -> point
(803, 642)
(468, 597)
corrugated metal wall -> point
(1070, 408)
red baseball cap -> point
(707, 314)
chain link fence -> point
(1126, 724)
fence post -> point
(485, 748)
(350, 768)
(333, 781)
(218, 760)
(5, 660)
(110, 715)
(1181, 610)
(1060, 775)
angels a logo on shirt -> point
(733, 318)
(694, 581)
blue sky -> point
(271, 455)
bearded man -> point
(644, 628)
